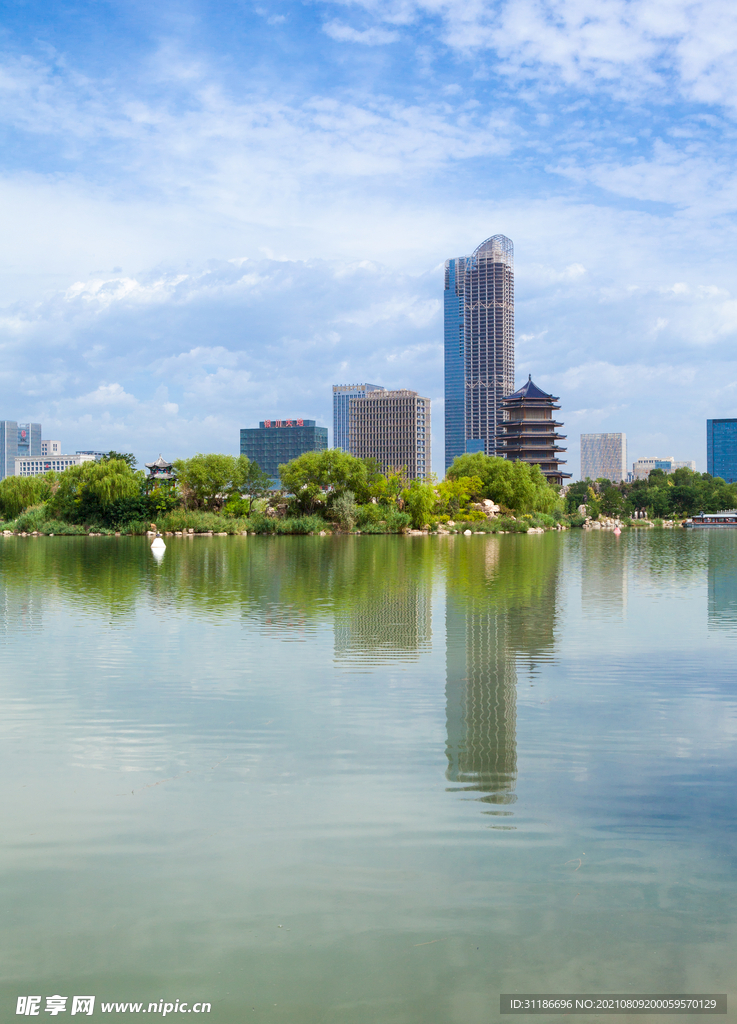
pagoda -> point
(160, 472)
(529, 431)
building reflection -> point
(604, 575)
(500, 618)
(722, 576)
(383, 604)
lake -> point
(360, 779)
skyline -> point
(214, 211)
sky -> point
(214, 211)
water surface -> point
(367, 779)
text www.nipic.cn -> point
(30, 1006)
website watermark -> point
(30, 1006)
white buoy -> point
(158, 547)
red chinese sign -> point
(284, 423)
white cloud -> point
(368, 37)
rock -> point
(244, 533)
(466, 533)
(322, 533)
(169, 533)
(221, 534)
(117, 533)
(450, 523)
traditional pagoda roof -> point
(159, 464)
(530, 390)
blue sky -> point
(214, 211)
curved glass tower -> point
(479, 346)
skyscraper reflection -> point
(500, 611)
(722, 546)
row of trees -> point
(331, 484)
(663, 495)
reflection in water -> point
(500, 607)
(603, 575)
(383, 604)
(723, 580)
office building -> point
(342, 395)
(275, 442)
(721, 449)
(17, 440)
(96, 455)
(642, 468)
(394, 428)
(479, 346)
(604, 456)
(529, 431)
(36, 466)
(50, 448)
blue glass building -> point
(721, 449)
(479, 346)
(275, 442)
(18, 439)
(342, 395)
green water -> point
(367, 779)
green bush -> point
(575, 519)
(32, 519)
(61, 529)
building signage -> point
(284, 423)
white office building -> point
(29, 466)
(50, 448)
(642, 468)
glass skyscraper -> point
(17, 439)
(342, 395)
(721, 449)
(479, 346)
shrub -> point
(576, 519)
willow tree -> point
(83, 492)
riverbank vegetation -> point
(332, 491)
(670, 496)
(321, 492)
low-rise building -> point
(275, 442)
(29, 466)
(643, 467)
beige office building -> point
(394, 428)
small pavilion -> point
(529, 431)
(160, 472)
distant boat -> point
(713, 519)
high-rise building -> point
(529, 431)
(342, 395)
(17, 440)
(394, 428)
(275, 442)
(50, 448)
(604, 456)
(721, 449)
(479, 346)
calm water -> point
(367, 779)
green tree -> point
(127, 457)
(419, 499)
(328, 474)
(18, 493)
(207, 481)
(518, 485)
(454, 494)
(256, 484)
(83, 493)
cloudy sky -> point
(214, 210)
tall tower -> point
(479, 346)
